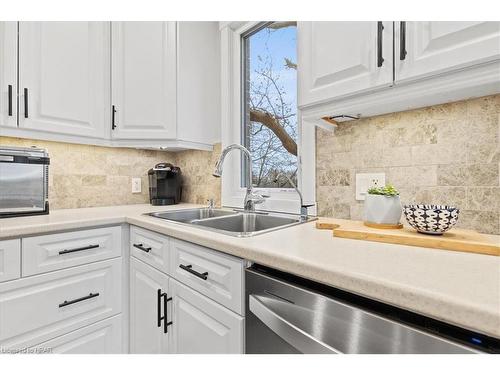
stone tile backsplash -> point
(445, 154)
(90, 176)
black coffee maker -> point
(165, 184)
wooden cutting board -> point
(455, 239)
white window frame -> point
(281, 200)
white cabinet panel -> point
(216, 275)
(150, 247)
(147, 335)
(144, 79)
(38, 308)
(336, 59)
(104, 337)
(10, 259)
(441, 46)
(62, 250)
(64, 77)
(198, 82)
(8, 74)
(202, 326)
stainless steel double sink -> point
(230, 222)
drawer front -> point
(216, 275)
(10, 260)
(104, 337)
(38, 308)
(150, 247)
(62, 250)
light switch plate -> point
(136, 185)
(365, 181)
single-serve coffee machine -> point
(165, 184)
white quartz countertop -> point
(459, 288)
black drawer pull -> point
(67, 251)
(380, 58)
(165, 317)
(402, 41)
(67, 303)
(113, 115)
(140, 246)
(10, 100)
(189, 268)
(25, 102)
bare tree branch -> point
(290, 64)
(274, 125)
(282, 24)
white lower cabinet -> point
(10, 259)
(167, 316)
(146, 335)
(202, 326)
(39, 308)
(63, 250)
(104, 337)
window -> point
(269, 108)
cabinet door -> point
(64, 77)
(144, 80)
(146, 337)
(201, 325)
(441, 46)
(8, 74)
(338, 59)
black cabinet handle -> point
(165, 310)
(10, 100)
(402, 41)
(380, 58)
(113, 115)
(140, 246)
(189, 268)
(67, 303)
(25, 102)
(67, 251)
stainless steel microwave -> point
(24, 181)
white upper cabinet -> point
(336, 59)
(143, 69)
(8, 74)
(198, 82)
(434, 63)
(439, 46)
(165, 83)
(64, 77)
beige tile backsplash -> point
(89, 176)
(445, 154)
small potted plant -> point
(383, 207)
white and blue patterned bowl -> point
(431, 218)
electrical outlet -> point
(365, 181)
(136, 185)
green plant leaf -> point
(387, 190)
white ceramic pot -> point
(382, 209)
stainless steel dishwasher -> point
(288, 314)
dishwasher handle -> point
(288, 331)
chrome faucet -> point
(251, 198)
(303, 207)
